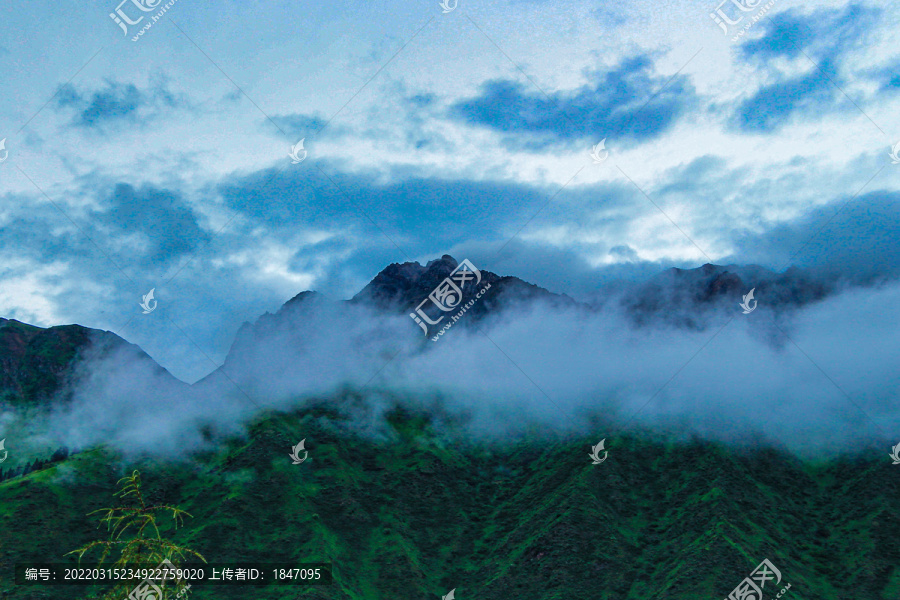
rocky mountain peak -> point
(399, 284)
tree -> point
(144, 547)
(60, 454)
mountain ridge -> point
(37, 363)
(679, 297)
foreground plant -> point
(144, 547)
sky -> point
(163, 163)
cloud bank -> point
(818, 380)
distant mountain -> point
(686, 297)
(679, 297)
(396, 291)
(35, 363)
(401, 287)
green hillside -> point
(421, 513)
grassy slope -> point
(418, 516)
(39, 357)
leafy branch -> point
(144, 544)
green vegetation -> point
(36, 360)
(420, 512)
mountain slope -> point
(415, 509)
(36, 363)
(422, 513)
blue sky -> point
(163, 163)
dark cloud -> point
(694, 176)
(424, 215)
(166, 220)
(297, 195)
(620, 103)
(859, 242)
(26, 230)
(891, 82)
(827, 33)
(776, 105)
(624, 251)
(786, 35)
(825, 37)
(887, 77)
(428, 216)
(421, 100)
(116, 103)
(167, 224)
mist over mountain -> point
(812, 368)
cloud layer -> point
(819, 380)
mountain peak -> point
(398, 283)
(444, 261)
(300, 299)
